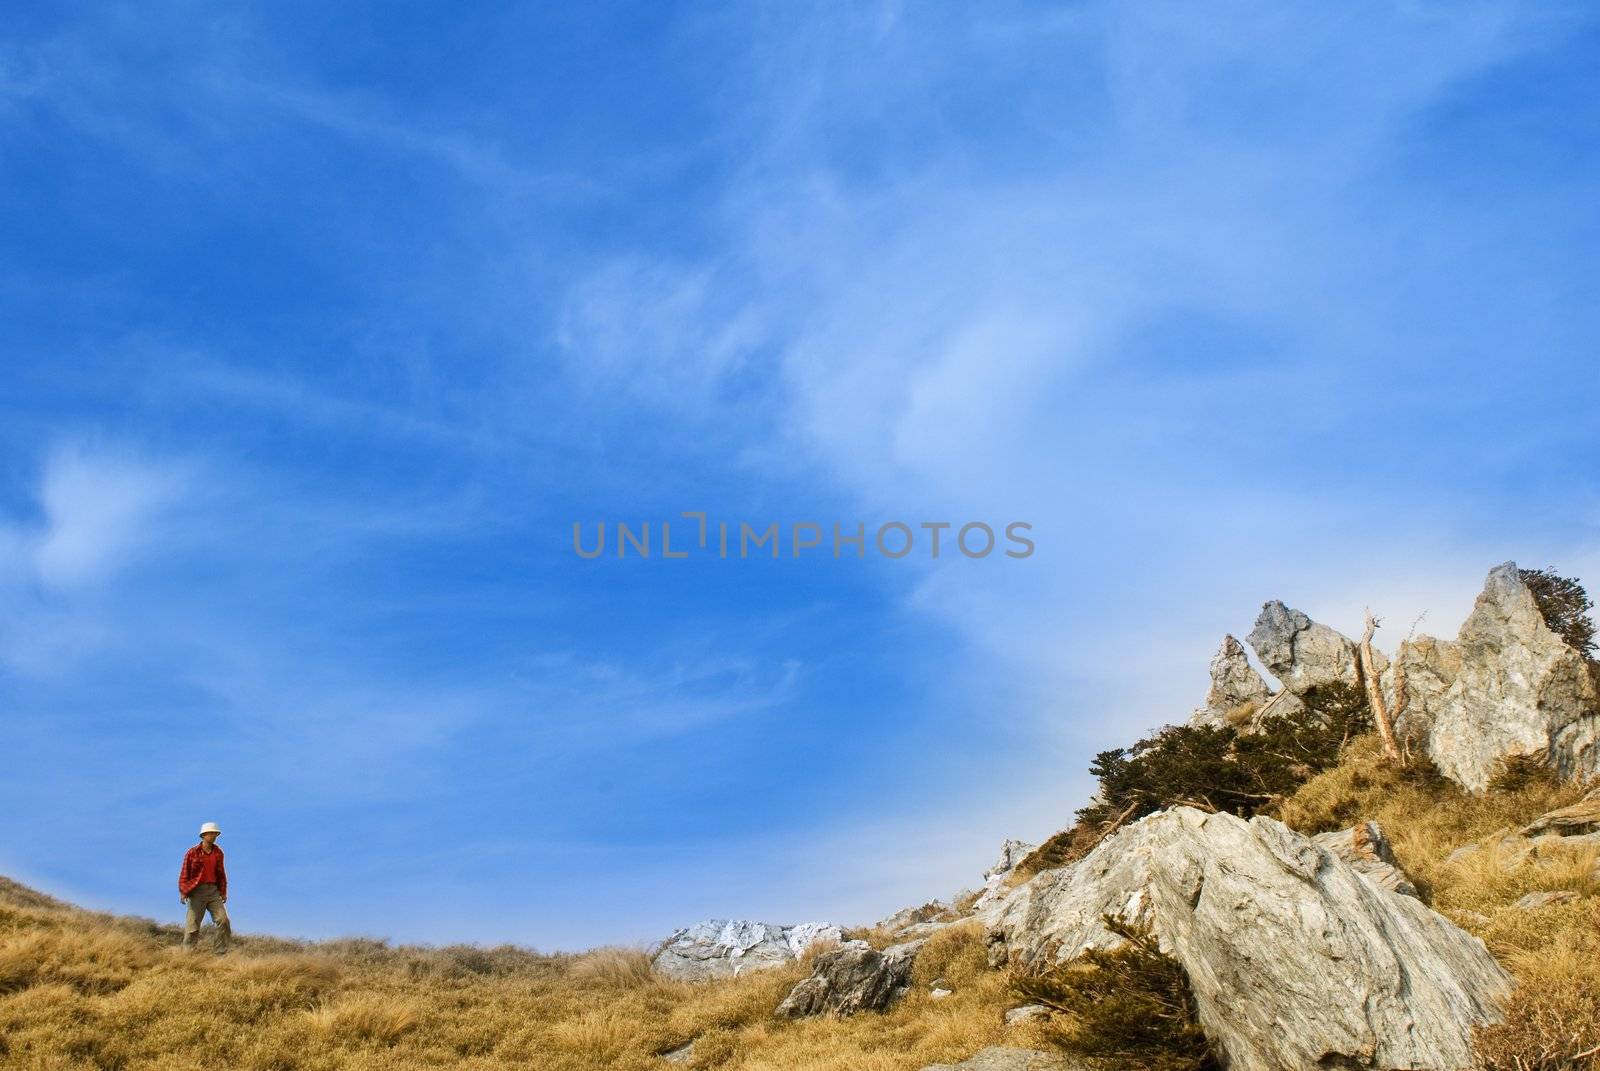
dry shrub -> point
(1129, 1008)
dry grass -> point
(82, 991)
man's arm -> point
(183, 876)
(222, 879)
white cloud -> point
(101, 511)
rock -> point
(1507, 686)
(1368, 851)
(1304, 654)
(1535, 900)
(1581, 818)
(923, 929)
(1027, 1013)
(1462, 854)
(851, 978)
(939, 992)
(681, 1055)
(1004, 1058)
(911, 916)
(1235, 684)
(1294, 958)
(1012, 852)
(721, 948)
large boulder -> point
(1304, 654)
(722, 948)
(1295, 958)
(1506, 687)
(1235, 685)
(852, 978)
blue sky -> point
(320, 328)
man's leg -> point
(193, 916)
(219, 915)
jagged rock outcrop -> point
(1507, 686)
(1295, 959)
(721, 948)
(852, 978)
(1235, 685)
(1304, 654)
(1006, 1058)
(1012, 852)
(1369, 853)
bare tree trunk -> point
(1380, 712)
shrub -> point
(1126, 1009)
(1565, 607)
(1223, 768)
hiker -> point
(203, 884)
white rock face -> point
(1234, 682)
(1296, 959)
(1507, 686)
(721, 948)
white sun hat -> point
(210, 827)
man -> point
(203, 884)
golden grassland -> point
(80, 990)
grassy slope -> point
(82, 990)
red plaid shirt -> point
(200, 867)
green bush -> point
(1225, 768)
(1125, 1009)
(1565, 607)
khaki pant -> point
(206, 898)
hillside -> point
(1415, 878)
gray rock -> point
(1369, 853)
(923, 929)
(681, 1055)
(1507, 686)
(1295, 959)
(722, 948)
(1005, 1058)
(995, 887)
(1581, 818)
(911, 916)
(1302, 653)
(852, 978)
(1026, 1013)
(1535, 900)
(1234, 683)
